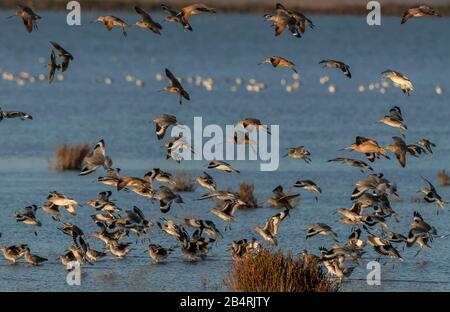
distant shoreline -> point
(226, 6)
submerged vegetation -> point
(69, 158)
(183, 182)
(267, 271)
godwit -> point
(147, 22)
(28, 16)
(270, 229)
(281, 21)
(368, 147)
(420, 11)
(299, 152)
(14, 114)
(399, 148)
(309, 186)
(431, 195)
(29, 217)
(64, 55)
(299, 17)
(384, 247)
(163, 122)
(281, 200)
(111, 21)
(141, 186)
(174, 17)
(197, 8)
(158, 253)
(278, 61)
(207, 182)
(322, 229)
(59, 199)
(52, 67)
(176, 87)
(353, 162)
(427, 144)
(96, 158)
(399, 80)
(33, 259)
(337, 64)
(222, 166)
(250, 124)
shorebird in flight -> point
(206, 226)
(384, 247)
(399, 80)
(28, 216)
(278, 61)
(14, 114)
(353, 163)
(64, 55)
(52, 67)
(96, 158)
(163, 122)
(28, 17)
(337, 64)
(111, 21)
(281, 21)
(420, 11)
(427, 144)
(300, 18)
(250, 124)
(309, 186)
(166, 196)
(399, 148)
(394, 119)
(174, 17)
(147, 22)
(322, 229)
(431, 195)
(141, 186)
(102, 203)
(61, 200)
(270, 229)
(242, 247)
(176, 87)
(222, 166)
(193, 9)
(299, 152)
(206, 181)
(368, 147)
(281, 200)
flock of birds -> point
(114, 225)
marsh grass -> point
(183, 182)
(247, 194)
(444, 179)
(268, 271)
(69, 158)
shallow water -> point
(81, 108)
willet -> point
(420, 11)
(282, 200)
(226, 213)
(278, 61)
(112, 177)
(353, 163)
(163, 122)
(176, 87)
(14, 114)
(394, 119)
(96, 158)
(206, 226)
(206, 181)
(431, 195)
(28, 16)
(147, 22)
(399, 80)
(337, 64)
(111, 21)
(222, 166)
(64, 55)
(59, 199)
(270, 229)
(103, 203)
(322, 229)
(399, 148)
(29, 217)
(171, 228)
(242, 247)
(384, 247)
(166, 196)
(52, 67)
(309, 186)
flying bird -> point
(28, 17)
(96, 158)
(111, 21)
(147, 22)
(278, 61)
(399, 80)
(64, 55)
(420, 11)
(337, 64)
(270, 229)
(14, 114)
(176, 87)
(52, 67)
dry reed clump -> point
(275, 272)
(183, 182)
(444, 179)
(69, 157)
